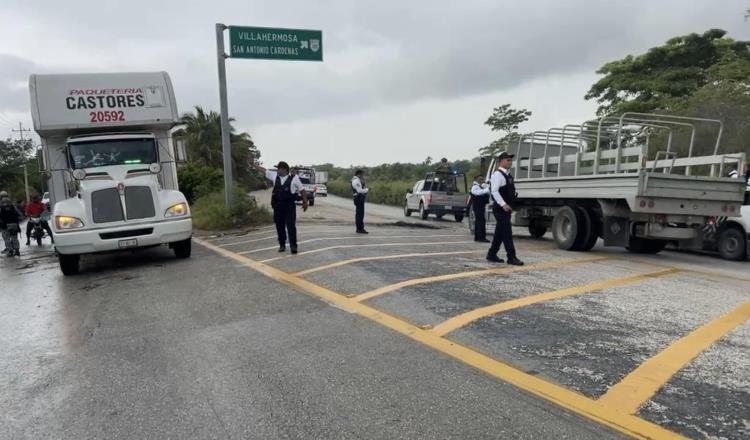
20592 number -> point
(107, 116)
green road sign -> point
(275, 44)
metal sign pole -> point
(226, 146)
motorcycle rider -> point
(35, 208)
(10, 217)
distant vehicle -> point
(440, 193)
(603, 179)
(307, 177)
(321, 177)
(109, 149)
(45, 198)
(322, 190)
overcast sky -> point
(401, 80)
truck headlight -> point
(65, 222)
(176, 210)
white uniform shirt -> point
(294, 188)
(357, 185)
(735, 175)
(479, 190)
(496, 182)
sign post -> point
(258, 43)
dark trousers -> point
(480, 223)
(285, 217)
(359, 213)
(30, 227)
(503, 233)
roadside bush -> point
(388, 192)
(209, 211)
(197, 180)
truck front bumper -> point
(108, 239)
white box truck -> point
(110, 159)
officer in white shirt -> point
(359, 192)
(480, 197)
(503, 192)
(283, 198)
(736, 175)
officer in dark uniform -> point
(480, 197)
(503, 192)
(283, 198)
(359, 192)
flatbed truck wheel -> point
(182, 249)
(565, 227)
(69, 264)
(589, 233)
(731, 244)
(537, 231)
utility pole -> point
(226, 146)
(20, 132)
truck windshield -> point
(102, 153)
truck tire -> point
(565, 227)
(311, 202)
(423, 213)
(732, 244)
(459, 217)
(645, 246)
(407, 211)
(537, 231)
(69, 264)
(182, 249)
(594, 228)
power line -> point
(20, 130)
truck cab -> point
(110, 157)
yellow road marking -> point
(642, 383)
(382, 257)
(580, 404)
(473, 273)
(358, 237)
(347, 246)
(463, 319)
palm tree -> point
(203, 135)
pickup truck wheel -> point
(182, 249)
(407, 211)
(422, 212)
(537, 231)
(439, 216)
(732, 244)
(565, 227)
(69, 264)
(645, 246)
(459, 217)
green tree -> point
(505, 120)
(665, 76)
(14, 154)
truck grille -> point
(105, 206)
(139, 202)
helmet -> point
(3, 193)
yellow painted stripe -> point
(348, 246)
(473, 273)
(356, 238)
(463, 319)
(642, 383)
(382, 257)
(563, 397)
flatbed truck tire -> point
(69, 264)
(566, 227)
(593, 229)
(731, 244)
(537, 231)
(645, 246)
(182, 249)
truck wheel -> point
(645, 246)
(537, 231)
(69, 264)
(311, 202)
(565, 227)
(459, 217)
(422, 212)
(731, 244)
(407, 211)
(594, 228)
(182, 249)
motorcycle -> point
(37, 233)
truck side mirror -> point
(180, 154)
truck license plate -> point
(124, 244)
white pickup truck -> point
(440, 193)
(110, 159)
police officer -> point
(10, 218)
(283, 198)
(503, 192)
(359, 192)
(480, 197)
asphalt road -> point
(403, 333)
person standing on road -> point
(480, 197)
(10, 217)
(359, 190)
(283, 198)
(3, 227)
(503, 192)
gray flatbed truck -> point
(603, 179)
